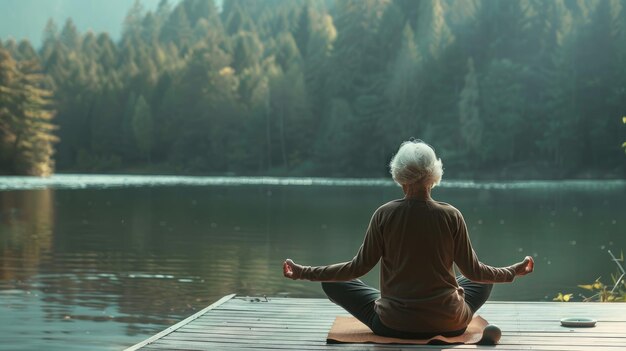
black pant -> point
(358, 299)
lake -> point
(102, 262)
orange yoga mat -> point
(347, 329)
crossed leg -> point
(358, 299)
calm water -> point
(100, 263)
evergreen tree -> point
(177, 29)
(201, 9)
(317, 65)
(50, 37)
(404, 85)
(133, 21)
(107, 53)
(69, 35)
(237, 20)
(336, 147)
(435, 34)
(9, 76)
(287, 53)
(247, 51)
(25, 52)
(142, 126)
(503, 109)
(26, 129)
(303, 32)
(597, 55)
(470, 124)
(557, 108)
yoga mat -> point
(347, 329)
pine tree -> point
(133, 21)
(142, 127)
(177, 29)
(470, 124)
(597, 56)
(26, 52)
(26, 129)
(317, 64)
(557, 109)
(393, 24)
(503, 109)
(286, 52)
(303, 32)
(247, 51)
(50, 37)
(69, 35)
(9, 76)
(107, 56)
(237, 20)
(357, 74)
(403, 88)
(435, 34)
(34, 145)
(163, 10)
(336, 146)
(201, 9)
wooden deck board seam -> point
(176, 326)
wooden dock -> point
(251, 323)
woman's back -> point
(418, 248)
(417, 281)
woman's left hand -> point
(291, 269)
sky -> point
(26, 19)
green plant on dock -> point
(563, 297)
(602, 292)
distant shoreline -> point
(106, 181)
(463, 176)
(449, 174)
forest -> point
(527, 89)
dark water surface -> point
(90, 263)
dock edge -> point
(185, 321)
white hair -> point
(416, 163)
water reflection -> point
(26, 229)
(103, 268)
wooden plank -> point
(520, 326)
(322, 333)
(220, 345)
(187, 320)
(288, 339)
(616, 318)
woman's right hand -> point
(524, 267)
(291, 269)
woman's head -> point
(415, 163)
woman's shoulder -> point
(390, 206)
(446, 209)
(445, 206)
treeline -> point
(318, 87)
(26, 131)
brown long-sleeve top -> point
(417, 242)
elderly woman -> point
(417, 240)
